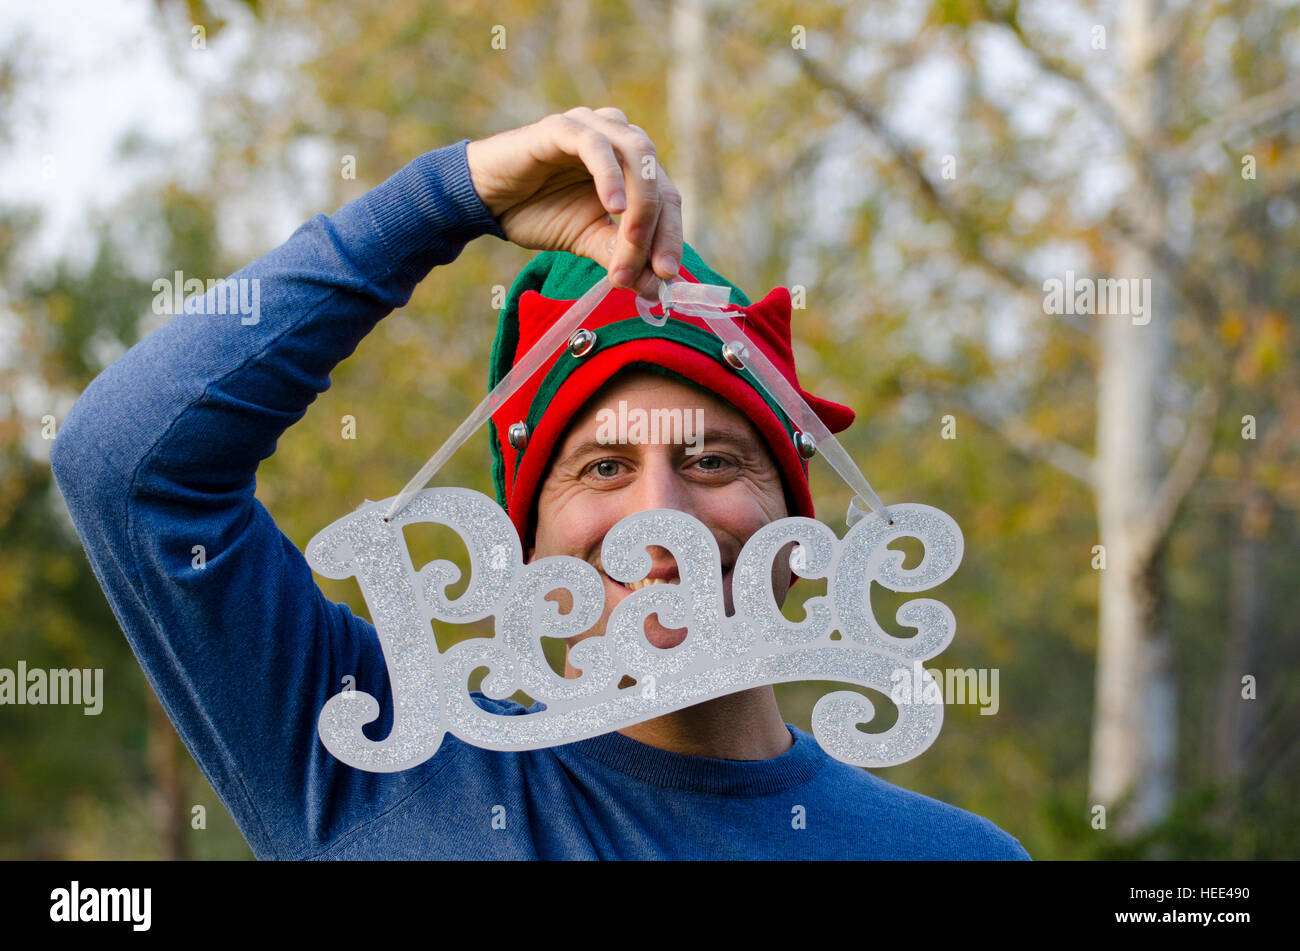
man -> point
(157, 461)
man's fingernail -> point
(622, 277)
(669, 263)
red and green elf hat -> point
(538, 414)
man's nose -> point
(656, 487)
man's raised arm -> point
(158, 456)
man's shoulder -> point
(914, 825)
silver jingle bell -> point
(806, 445)
(734, 353)
(582, 342)
(517, 435)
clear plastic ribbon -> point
(710, 302)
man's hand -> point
(554, 184)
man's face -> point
(731, 485)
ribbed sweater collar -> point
(703, 774)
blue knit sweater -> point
(160, 455)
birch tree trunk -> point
(1133, 739)
(686, 97)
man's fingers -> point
(629, 181)
(666, 249)
(644, 205)
(642, 176)
(572, 138)
(605, 237)
(612, 112)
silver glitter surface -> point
(864, 558)
(364, 545)
(527, 617)
(695, 602)
(494, 551)
(720, 655)
(758, 617)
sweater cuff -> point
(428, 205)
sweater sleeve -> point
(159, 456)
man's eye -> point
(605, 468)
(718, 460)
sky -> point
(100, 71)
(93, 73)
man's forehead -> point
(658, 398)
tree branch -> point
(1069, 459)
(1182, 475)
(1095, 98)
(1196, 291)
(1258, 109)
(1172, 29)
(967, 230)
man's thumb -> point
(599, 242)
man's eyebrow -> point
(726, 435)
(735, 437)
(584, 448)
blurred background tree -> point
(918, 170)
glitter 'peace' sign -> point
(839, 639)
